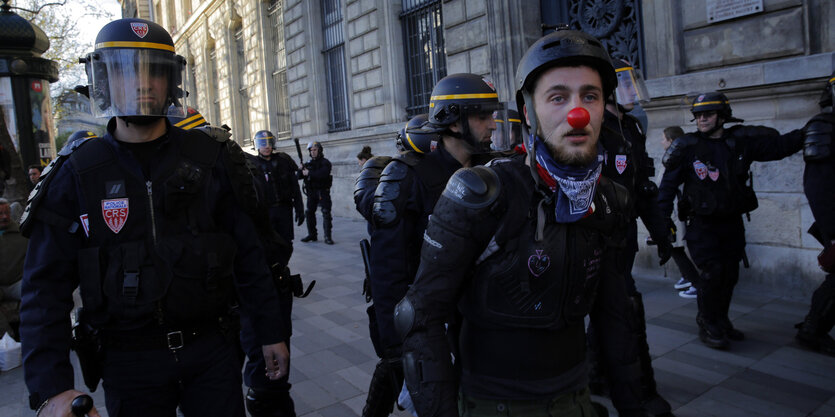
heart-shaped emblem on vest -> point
(538, 263)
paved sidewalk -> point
(766, 375)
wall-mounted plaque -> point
(719, 10)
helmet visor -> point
(508, 131)
(136, 82)
(631, 88)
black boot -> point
(813, 332)
(267, 403)
(327, 225)
(310, 238)
(711, 334)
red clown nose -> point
(578, 117)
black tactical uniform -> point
(627, 163)
(278, 191)
(159, 235)
(277, 177)
(715, 174)
(522, 280)
(317, 185)
(818, 177)
(409, 188)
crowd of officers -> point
(493, 233)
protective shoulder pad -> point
(217, 133)
(40, 190)
(388, 192)
(474, 188)
(818, 137)
(368, 180)
(675, 153)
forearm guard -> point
(426, 363)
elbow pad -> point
(818, 137)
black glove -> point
(299, 217)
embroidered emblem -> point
(140, 29)
(115, 213)
(713, 173)
(620, 163)
(538, 263)
(85, 224)
(700, 168)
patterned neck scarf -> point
(574, 185)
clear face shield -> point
(631, 89)
(136, 82)
(508, 131)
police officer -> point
(518, 247)
(278, 189)
(278, 170)
(317, 177)
(461, 119)
(713, 164)
(149, 220)
(818, 177)
(626, 162)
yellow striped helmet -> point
(457, 95)
(133, 71)
(713, 101)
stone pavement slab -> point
(768, 374)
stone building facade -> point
(355, 70)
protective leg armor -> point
(813, 332)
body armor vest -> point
(153, 250)
(717, 180)
(278, 175)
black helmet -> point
(126, 52)
(316, 144)
(78, 135)
(192, 119)
(561, 48)
(713, 101)
(413, 137)
(263, 138)
(459, 94)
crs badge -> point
(140, 29)
(620, 163)
(700, 168)
(115, 213)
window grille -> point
(243, 131)
(282, 98)
(334, 52)
(423, 39)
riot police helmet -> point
(508, 132)
(413, 136)
(133, 71)
(455, 98)
(713, 101)
(191, 120)
(264, 138)
(631, 89)
(317, 145)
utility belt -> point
(154, 337)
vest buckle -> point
(174, 340)
(130, 286)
